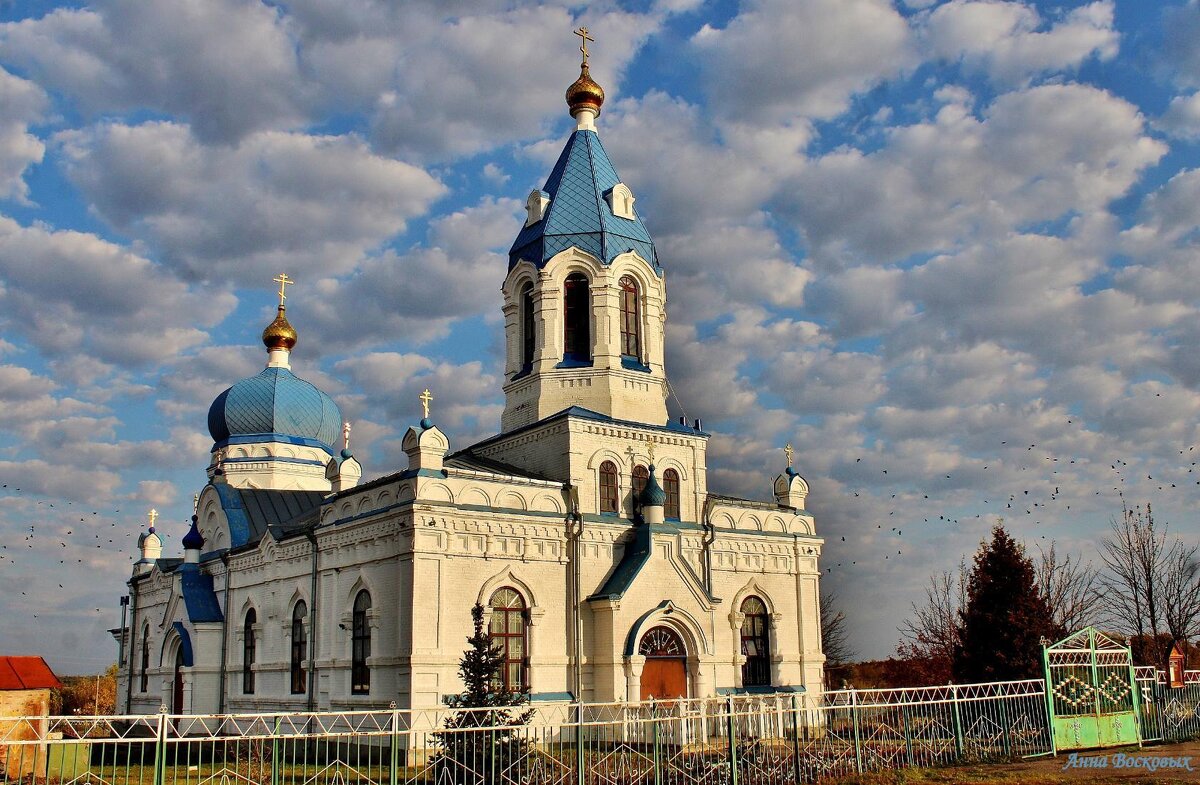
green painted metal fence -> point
(1091, 695)
(744, 740)
(1168, 714)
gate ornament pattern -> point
(1090, 693)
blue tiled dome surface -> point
(275, 401)
(578, 214)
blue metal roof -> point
(578, 214)
(199, 597)
(275, 401)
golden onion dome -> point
(279, 334)
(584, 93)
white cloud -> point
(70, 293)
(1012, 43)
(310, 204)
(781, 60)
(22, 103)
(227, 66)
(1182, 118)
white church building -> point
(608, 569)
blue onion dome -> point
(653, 495)
(193, 540)
(278, 402)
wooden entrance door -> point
(664, 676)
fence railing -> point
(736, 740)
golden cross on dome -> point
(346, 433)
(789, 452)
(650, 449)
(583, 39)
(283, 280)
(153, 517)
(426, 397)
(195, 502)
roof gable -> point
(26, 673)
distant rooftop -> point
(26, 673)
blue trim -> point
(636, 556)
(235, 513)
(633, 364)
(573, 360)
(635, 631)
(199, 597)
(764, 689)
(185, 644)
(257, 438)
(278, 459)
(526, 369)
(538, 697)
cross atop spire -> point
(426, 397)
(789, 452)
(153, 516)
(283, 280)
(346, 434)
(583, 41)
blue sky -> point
(947, 249)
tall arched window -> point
(527, 329)
(507, 631)
(631, 331)
(671, 487)
(577, 318)
(248, 652)
(608, 487)
(360, 645)
(640, 476)
(144, 684)
(299, 649)
(755, 643)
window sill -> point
(575, 362)
(630, 363)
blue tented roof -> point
(578, 214)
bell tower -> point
(585, 297)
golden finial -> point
(789, 452)
(153, 516)
(584, 93)
(346, 434)
(650, 449)
(583, 39)
(426, 397)
(283, 280)
(195, 503)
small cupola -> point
(193, 543)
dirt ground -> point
(1049, 771)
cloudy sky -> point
(947, 249)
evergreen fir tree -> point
(481, 740)
(1005, 616)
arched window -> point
(248, 652)
(671, 487)
(631, 331)
(299, 649)
(527, 329)
(577, 319)
(608, 487)
(360, 645)
(640, 476)
(144, 684)
(507, 631)
(755, 643)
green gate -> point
(1090, 692)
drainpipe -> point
(710, 535)
(312, 625)
(224, 633)
(574, 532)
(132, 649)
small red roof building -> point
(26, 673)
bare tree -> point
(1181, 591)
(1071, 588)
(1134, 556)
(834, 634)
(936, 623)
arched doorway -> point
(177, 683)
(664, 676)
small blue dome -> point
(193, 540)
(653, 495)
(275, 401)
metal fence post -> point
(958, 732)
(657, 751)
(580, 771)
(731, 730)
(394, 764)
(858, 760)
(160, 747)
(908, 754)
(276, 763)
(795, 740)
